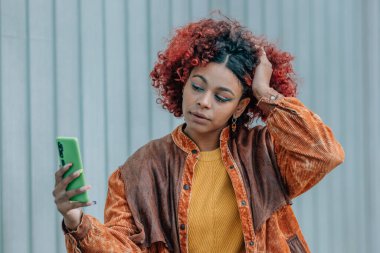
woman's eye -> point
(222, 99)
(196, 87)
(218, 98)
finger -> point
(59, 195)
(67, 195)
(76, 204)
(61, 171)
(63, 183)
(260, 48)
(70, 205)
(59, 192)
(264, 58)
(58, 180)
(263, 50)
(63, 199)
(70, 194)
(263, 53)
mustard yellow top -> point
(214, 222)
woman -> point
(214, 184)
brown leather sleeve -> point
(112, 236)
(306, 149)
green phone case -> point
(69, 152)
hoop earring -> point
(233, 126)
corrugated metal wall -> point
(81, 68)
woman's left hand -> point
(262, 76)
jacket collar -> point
(184, 142)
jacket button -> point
(186, 187)
(251, 243)
(232, 167)
(194, 151)
(182, 227)
(243, 203)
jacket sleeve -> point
(306, 149)
(113, 235)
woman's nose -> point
(204, 100)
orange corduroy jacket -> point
(148, 197)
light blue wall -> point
(81, 68)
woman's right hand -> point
(70, 210)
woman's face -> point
(210, 97)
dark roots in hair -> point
(210, 40)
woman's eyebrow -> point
(201, 77)
(219, 88)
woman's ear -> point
(241, 107)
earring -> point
(233, 126)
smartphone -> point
(69, 152)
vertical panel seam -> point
(1, 137)
(80, 74)
(262, 16)
(105, 90)
(356, 14)
(280, 20)
(55, 110)
(312, 103)
(28, 128)
(127, 75)
(228, 7)
(341, 114)
(300, 204)
(327, 76)
(190, 10)
(171, 24)
(365, 81)
(245, 13)
(149, 50)
(209, 6)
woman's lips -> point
(200, 115)
(199, 118)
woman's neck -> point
(204, 141)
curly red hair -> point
(210, 40)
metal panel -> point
(81, 68)
(301, 49)
(351, 173)
(41, 131)
(160, 25)
(115, 83)
(140, 93)
(198, 9)
(92, 99)
(318, 104)
(1, 139)
(67, 70)
(255, 17)
(371, 91)
(180, 15)
(15, 100)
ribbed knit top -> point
(214, 222)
